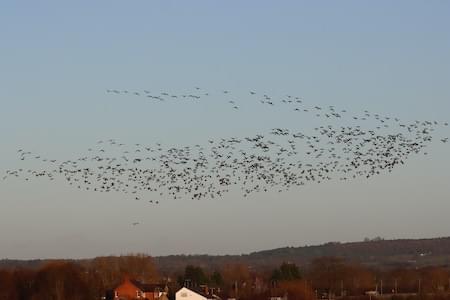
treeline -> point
(69, 280)
(324, 277)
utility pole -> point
(381, 287)
(395, 286)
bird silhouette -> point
(278, 160)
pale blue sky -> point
(57, 58)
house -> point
(132, 289)
(278, 297)
(276, 294)
(195, 294)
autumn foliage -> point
(324, 277)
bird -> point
(276, 160)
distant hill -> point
(25, 264)
(375, 253)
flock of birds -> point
(273, 161)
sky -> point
(58, 58)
